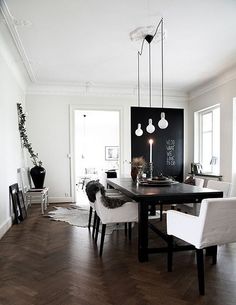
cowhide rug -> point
(78, 216)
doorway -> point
(96, 147)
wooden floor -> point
(48, 262)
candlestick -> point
(151, 169)
(150, 142)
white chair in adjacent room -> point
(214, 226)
(90, 173)
(127, 213)
(32, 194)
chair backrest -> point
(199, 182)
(111, 174)
(225, 187)
(217, 223)
(24, 179)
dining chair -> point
(30, 193)
(223, 186)
(127, 213)
(191, 208)
(91, 188)
(214, 226)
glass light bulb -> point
(163, 122)
(150, 128)
(138, 131)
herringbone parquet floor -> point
(44, 262)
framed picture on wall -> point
(111, 153)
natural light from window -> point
(208, 140)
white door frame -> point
(73, 108)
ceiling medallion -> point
(141, 32)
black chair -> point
(111, 173)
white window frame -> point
(198, 134)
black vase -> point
(38, 174)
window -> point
(208, 142)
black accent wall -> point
(168, 143)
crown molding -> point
(81, 89)
(218, 81)
(89, 89)
(8, 53)
(11, 24)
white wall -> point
(222, 94)
(48, 126)
(233, 192)
(11, 92)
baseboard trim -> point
(59, 199)
(5, 227)
(53, 200)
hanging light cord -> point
(139, 54)
(162, 64)
(150, 77)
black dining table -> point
(151, 195)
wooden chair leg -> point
(212, 251)
(152, 210)
(94, 224)
(97, 229)
(161, 211)
(200, 269)
(126, 229)
(102, 239)
(130, 230)
(214, 255)
(90, 216)
(170, 253)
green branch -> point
(24, 136)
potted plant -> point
(137, 166)
(37, 172)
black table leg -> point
(143, 232)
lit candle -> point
(150, 142)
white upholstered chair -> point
(109, 192)
(225, 187)
(222, 186)
(127, 213)
(191, 208)
(214, 226)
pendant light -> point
(163, 122)
(139, 131)
(84, 137)
(150, 128)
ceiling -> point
(71, 42)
